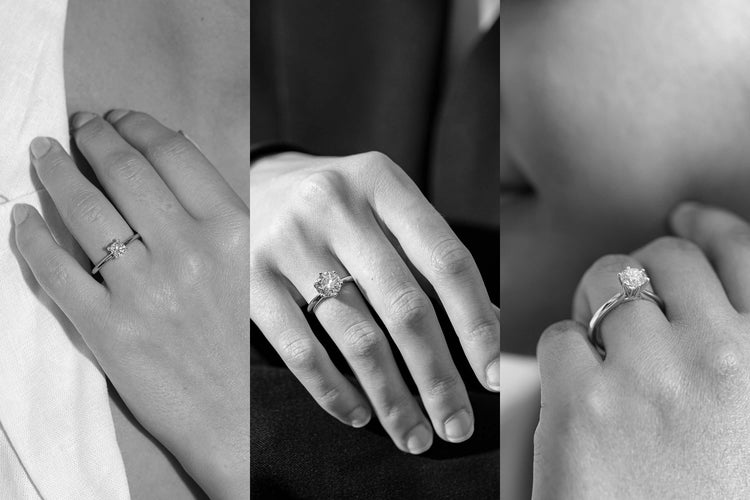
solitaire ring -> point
(115, 250)
(327, 285)
(633, 283)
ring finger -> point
(627, 326)
(86, 212)
(365, 347)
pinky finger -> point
(290, 335)
(58, 273)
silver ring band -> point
(327, 290)
(114, 251)
(629, 293)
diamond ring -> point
(633, 283)
(115, 250)
(327, 285)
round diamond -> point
(116, 248)
(328, 284)
(632, 278)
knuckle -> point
(375, 159)
(329, 396)
(728, 370)
(55, 274)
(397, 406)
(323, 189)
(593, 405)
(409, 306)
(298, 351)
(485, 333)
(194, 267)
(167, 149)
(450, 257)
(85, 206)
(125, 166)
(363, 339)
(442, 386)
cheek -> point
(606, 108)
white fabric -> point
(57, 438)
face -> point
(612, 111)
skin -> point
(665, 413)
(187, 64)
(169, 322)
(612, 112)
(311, 214)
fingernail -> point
(459, 427)
(39, 147)
(419, 440)
(20, 212)
(115, 115)
(359, 417)
(493, 375)
(81, 119)
(680, 218)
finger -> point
(566, 359)
(444, 261)
(725, 239)
(410, 319)
(285, 327)
(629, 327)
(685, 280)
(72, 288)
(129, 179)
(86, 212)
(192, 178)
(366, 349)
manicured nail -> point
(493, 375)
(115, 115)
(20, 212)
(419, 440)
(39, 147)
(81, 119)
(459, 427)
(359, 417)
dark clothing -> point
(339, 77)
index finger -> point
(437, 253)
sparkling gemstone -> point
(632, 278)
(116, 248)
(328, 284)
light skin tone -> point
(665, 413)
(612, 112)
(169, 322)
(362, 216)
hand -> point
(169, 323)
(362, 216)
(667, 413)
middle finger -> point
(407, 312)
(129, 179)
